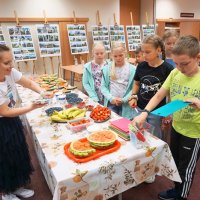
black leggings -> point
(186, 153)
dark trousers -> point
(186, 153)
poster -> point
(2, 41)
(134, 37)
(148, 30)
(22, 43)
(101, 33)
(77, 38)
(117, 34)
(49, 41)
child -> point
(169, 38)
(149, 77)
(183, 83)
(117, 82)
(92, 74)
(138, 57)
(15, 164)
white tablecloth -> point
(104, 177)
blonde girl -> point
(149, 77)
(117, 82)
(92, 73)
(169, 38)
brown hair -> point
(188, 45)
(115, 45)
(170, 33)
(138, 50)
(156, 41)
(3, 48)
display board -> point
(2, 40)
(49, 40)
(77, 38)
(101, 33)
(148, 30)
(134, 37)
(117, 33)
(22, 43)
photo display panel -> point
(101, 33)
(148, 30)
(49, 40)
(2, 40)
(134, 37)
(117, 34)
(77, 38)
(22, 43)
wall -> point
(62, 8)
(146, 6)
(58, 9)
(166, 9)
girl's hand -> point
(118, 101)
(37, 105)
(133, 103)
(195, 102)
(139, 120)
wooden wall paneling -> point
(161, 28)
(190, 28)
(127, 6)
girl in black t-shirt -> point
(149, 77)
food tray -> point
(93, 156)
(79, 127)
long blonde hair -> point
(116, 45)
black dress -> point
(15, 163)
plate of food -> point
(100, 114)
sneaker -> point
(150, 179)
(170, 194)
(9, 197)
(24, 193)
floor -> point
(141, 192)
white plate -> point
(94, 127)
(41, 101)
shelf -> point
(172, 28)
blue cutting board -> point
(170, 108)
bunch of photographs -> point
(134, 37)
(22, 43)
(101, 33)
(148, 30)
(49, 41)
(77, 38)
(2, 41)
(117, 34)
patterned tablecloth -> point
(98, 179)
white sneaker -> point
(150, 179)
(9, 197)
(24, 193)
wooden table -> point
(78, 69)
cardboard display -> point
(22, 43)
(101, 33)
(148, 30)
(77, 38)
(117, 33)
(134, 37)
(2, 40)
(48, 39)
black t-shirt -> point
(151, 79)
